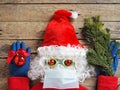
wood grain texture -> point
(4, 73)
(34, 44)
(36, 30)
(26, 20)
(3, 83)
(43, 12)
(59, 1)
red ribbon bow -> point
(12, 53)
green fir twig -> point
(99, 37)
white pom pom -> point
(74, 14)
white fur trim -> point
(74, 14)
(37, 66)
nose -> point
(60, 66)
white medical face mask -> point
(60, 79)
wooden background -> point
(26, 20)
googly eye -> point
(51, 62)
(68, 62)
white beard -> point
(76, 53)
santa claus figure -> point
(61, 61)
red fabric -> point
(23, 52)
(60, 31)
(22, 83)
(18, 83)
(11, 54)
(107, 82)
(61, 13)
(40, 85)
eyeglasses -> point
(52, 62)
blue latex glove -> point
(114, 49)
(14, 69)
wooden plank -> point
(5, 45)
(3, 74)
(3, 83)
(92, 82)
(3, 68)
(35, 30)
(34, 44)
(48, 1)
(43, 12)
(60, 1)
(107, 1)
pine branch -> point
(99, 37)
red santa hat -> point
(60, 41)
(60, 31)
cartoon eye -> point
(51, 62)
(68, 62)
